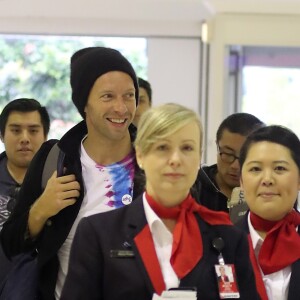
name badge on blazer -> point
(121, 253)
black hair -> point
(147, 86)
(24, 105)
(275, 134)
(240, 123)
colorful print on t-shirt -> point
(119, 181)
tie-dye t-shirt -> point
(106, 188)
(118, 182)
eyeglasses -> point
(227, 157)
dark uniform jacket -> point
(294, 287)
(107, 264)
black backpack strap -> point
(50, 164)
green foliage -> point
(39, 67)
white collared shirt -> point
(163, 240)
(277, 283)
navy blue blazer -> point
(294, 288)
(94, 273)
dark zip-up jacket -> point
(209, 193)
(56, 229)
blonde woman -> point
(164, 239)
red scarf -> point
(187, 246)
(281, 246)
(260, 286)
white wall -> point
(174, 71)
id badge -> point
(181, 293)
(228, 287)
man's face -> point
(144, 104)
(110, 107)
(222, 271)
(229, 172)
(24, 134)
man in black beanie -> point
(88, 64)
(96, 170)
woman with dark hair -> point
(270, 179)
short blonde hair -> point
(162, 121)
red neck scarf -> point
(260, 286)
(281, 246)
(187, 246)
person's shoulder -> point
(209, 191)
(78, 129)
(3, 162)
(208, 173)
(2, 155)
(46, 147)
(72, 138)
(211, 171)
(242, 223)
(132, 131)
(209, 168)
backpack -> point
(55, 158)
(21, 281)
(237, 205)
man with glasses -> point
(219, 180)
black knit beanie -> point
(90, 63)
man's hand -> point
(59, 193)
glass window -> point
(270, 85)
(272, 94)
(34, 66)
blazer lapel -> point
(143, 247)
(294, 289)
(243, 224)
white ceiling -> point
(127, 17)
(253, 6)
(148, 10)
